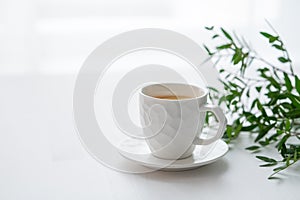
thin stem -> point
(291, 67)
(282, 169)
(244, 77)
(260, 59)
(295, 133)
(287, 53)
(271, 65)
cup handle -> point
(217, 111)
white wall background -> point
(55, 36)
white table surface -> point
(41, 157)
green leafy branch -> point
(262, 98)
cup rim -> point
(205, 91)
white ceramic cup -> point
(173, 126)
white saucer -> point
(138, 152)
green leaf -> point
(273, 82)
(293, 114)
(297, 83)
(283, 150)
(281, 143)
(264, 143)
(273, 177)
(287, 125)
(263, 131)
(262, 70)
(259, 106)
(207, 50)
(295, 158)
(288, 82)
(238, 129)
(240, 80)
(226, 34)
(209, 28)
(275, 135)
(283, 59)
(229, 131)
(213, 89)
(249, 128)
(258, 88)
(267, 35)
(279, 168)
(270, 37)
(273, 39)
(286, 105)
(293, 99)
(248, 93)
(279, 47)
(215, 36)
(222, 99)
(237, 57)
(234, 85)
(252, 148)
(254, 103)
(287, 162)
(225, 46)
(268, 164)
(266, 159)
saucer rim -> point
(186, 166)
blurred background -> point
(55, 36)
